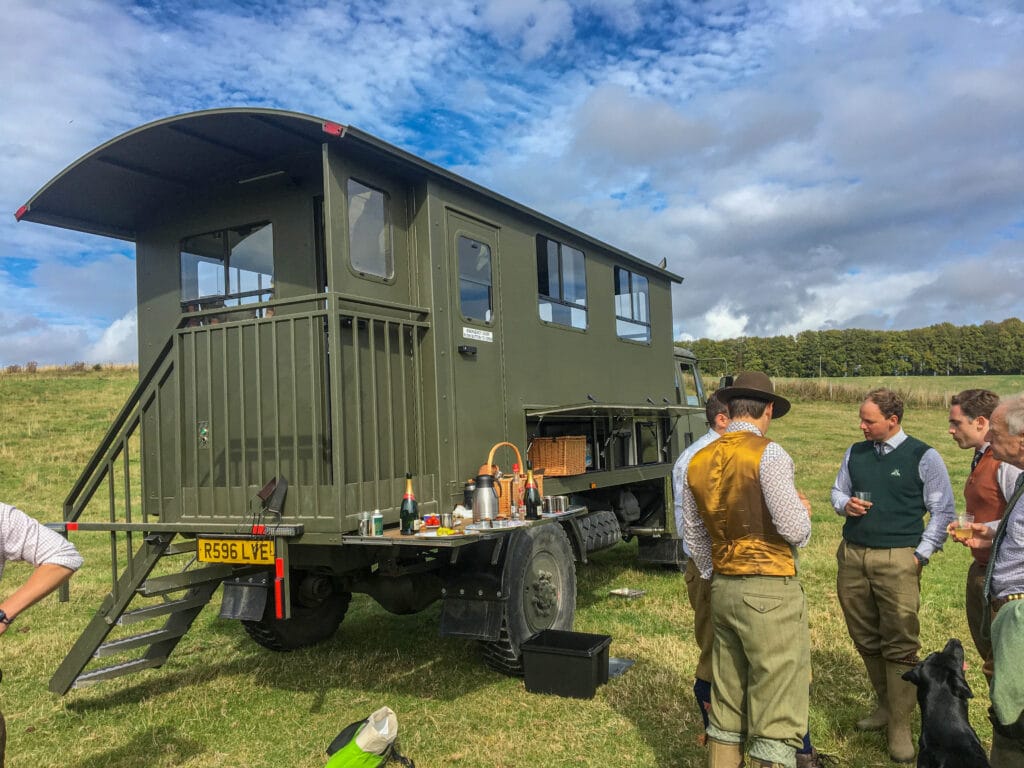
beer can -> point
(378, 523)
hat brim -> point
(781, 404)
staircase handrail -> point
(88, 479)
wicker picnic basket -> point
(559, 456)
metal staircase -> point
(176, 598)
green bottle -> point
(407, 512)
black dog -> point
(947, 739)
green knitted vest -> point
(896, 518)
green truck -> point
(320, 313)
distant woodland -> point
(942, 350)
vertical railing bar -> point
(374, 410)
(212, 434)
(338, 409)
(243, 431)
(389, 400)
(129, 539)
(403, 383)
(314, 380)
(127, 479)
(417, 397)
(357, 408)
(259, 404)
(113, 518)
(295, 419)
(225, 393)
(277, 404)
(194, 385)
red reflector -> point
(71, 527)
(334, 129)
(279, 567)
(20, 212)
(278, 602)
(259, 530)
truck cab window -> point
(561, 284)
(632, 306)
(475, 296)
(369, 231)
(228, 267)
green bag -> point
(368, 743)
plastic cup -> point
(963, 531)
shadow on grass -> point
(161, 746)
(671, 733)
(408, 658)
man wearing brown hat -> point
(744, 520)
(885, 544)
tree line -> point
(938, 350)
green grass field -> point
(221, 701)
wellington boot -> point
(878, 719)
(724, 755)
(757, 762)
(902, 698)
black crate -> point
(566, 663)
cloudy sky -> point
(804, 165)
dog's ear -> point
(913, 675)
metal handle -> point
(466, 349)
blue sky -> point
(804, 165)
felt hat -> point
(756, 386)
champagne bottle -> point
(407, 512)
(531, 497)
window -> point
(475, 296)
(632, 306)
(228, 268)
(369, 231)
(561, 284)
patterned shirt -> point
(784, 506)
(1008, 568)
(679, 480)
(24, 538)
(938, 493)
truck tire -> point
(600, 530)
(314, 619)
(540, 579)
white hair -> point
(1014, 405)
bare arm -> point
(43, 580)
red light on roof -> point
(20, 212)
(334, 129)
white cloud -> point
(793, 155)
(119, 342)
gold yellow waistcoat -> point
(725, 479)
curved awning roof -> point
(113, 189)
(116, 189)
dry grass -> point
(222, 702)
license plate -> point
(238, 551)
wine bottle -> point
(407, 512)
(531, 497)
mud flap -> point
(245, 598)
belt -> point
(999, 602)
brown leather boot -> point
(878, 719)
(902, 698)
(724, 755)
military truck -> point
(320, 313)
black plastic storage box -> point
(566, 663)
